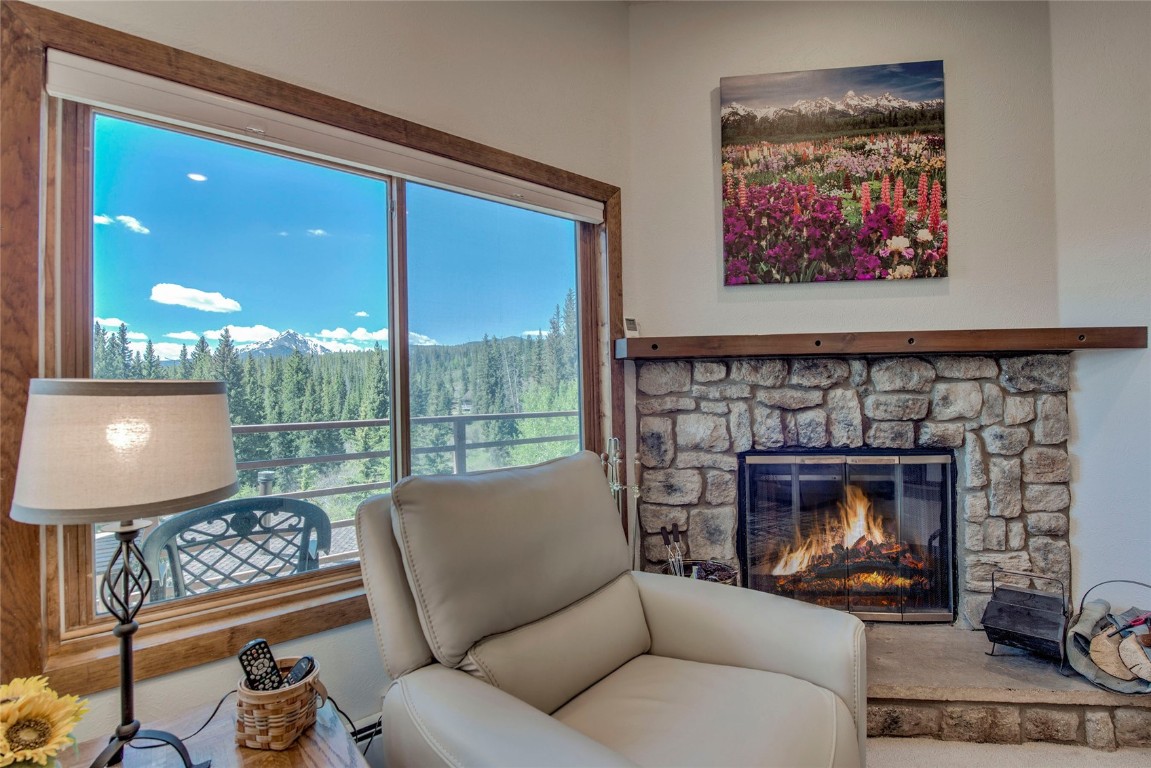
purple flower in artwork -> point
(739, 272)
(787, 232)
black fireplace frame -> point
(744, 497)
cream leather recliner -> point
(515, 633)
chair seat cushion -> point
(658, 711)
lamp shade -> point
(97, 451)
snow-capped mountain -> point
(851, 104)
(283, 345)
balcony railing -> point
(344, 545)
(458, 449)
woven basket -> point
(275, 719)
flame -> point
(856, 521)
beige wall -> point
(999, 176)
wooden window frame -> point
(45, 629)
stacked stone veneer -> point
(1005, 417)
(1098, 727)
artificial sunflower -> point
(35, 723)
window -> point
(212, 260)
(215, 260)
(495, 285)
(47, 327)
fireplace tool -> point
(674, 551)
(1030, 619)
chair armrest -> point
(441, 716)
(719, 624)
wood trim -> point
(21, 121)
(613, 235)
(76, 299)
(593, 340)
(91, 665)
(882, 343)
(68, 300)
(124, 50)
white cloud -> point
(363, 334)
(185, 335)
(282, 234)
(170, 293)
(361, 313)
(165, 350)
(317, 233)
(110, 322)
(333, 338)
(197, 177)
(133, 224)
(534, 334)
(245, 334)
(135, 336)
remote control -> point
(302, 669)
(259, 665)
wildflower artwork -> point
(834, 174)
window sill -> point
(91, 662)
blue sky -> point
(914, 81)
(192, 235)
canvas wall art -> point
(834, 174)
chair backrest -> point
(233, 543)
(518, 575)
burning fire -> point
(857, 522)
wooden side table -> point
(325, 745)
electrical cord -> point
(352, 726)
(348, 720)
(379, 727)
(219, 704)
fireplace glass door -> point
(867, 533)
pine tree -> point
(375, 403)
(201, 360)
(99, 352)
(150, 365)
(125, 349)
(257, 445)
(185, 366)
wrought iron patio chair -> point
(234, 543)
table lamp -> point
(102, 451)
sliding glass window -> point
(212, 259)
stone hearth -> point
(1005, 417)
(938, 682)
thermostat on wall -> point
(630, 327)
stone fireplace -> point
(1004, 418)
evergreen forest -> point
(513, 375)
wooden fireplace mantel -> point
(882, 343)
